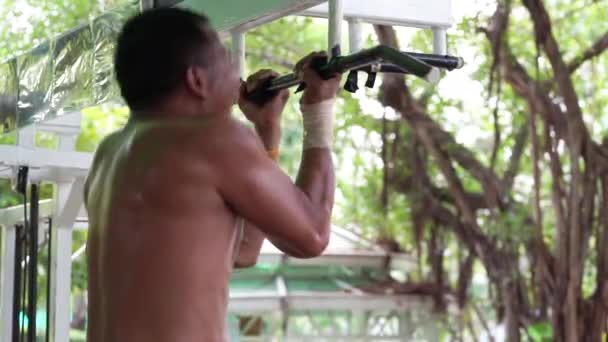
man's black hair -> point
(154, 50)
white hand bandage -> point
(318, 124)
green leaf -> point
(541, 332)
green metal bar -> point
(386, 58)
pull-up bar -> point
(381, 58)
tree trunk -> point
(557, 273)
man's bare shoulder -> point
(103, 149)
(227, 135)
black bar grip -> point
(381, 58)
(352, 81)
(439, 61)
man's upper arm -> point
(265, 196)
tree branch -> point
(407, 185)
(577, 137)
(497, 133)
(395, 93)
(521, 137)
(539, 100)
(385, 169)
(596, 49)
(465, 274)
(546, 40)
(483, 322)
(600, 298)
(497, 30)
(501, 266)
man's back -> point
(162, 193)
(161, 237)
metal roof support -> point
(336, 16)
(238, 51)
(68, 203)
(7, 259)
(244, 15)
(147, 4)
(355, 41)
(440, 41)
(283, 303)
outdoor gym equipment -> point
(382, 58)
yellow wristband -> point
(273, 153)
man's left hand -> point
(266, 117)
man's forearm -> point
(316, 177)
(270, 134)
(253, 237)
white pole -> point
(146, 4)
(336, 15)
(355, 40)
(61, 270)
(238, 51)
(26, 136)
(68, 201)
(440, 41)
(7, 272)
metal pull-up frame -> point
(381, 58)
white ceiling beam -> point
(411, 13)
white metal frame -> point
(256, 303)
(437, 17)
(368, 317)
(67, 169)
(7, 251)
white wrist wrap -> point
(318, 122)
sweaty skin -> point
(162, 224)
(163, 196)
(161, 236)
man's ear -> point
(197, 81)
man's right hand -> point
(317, 89)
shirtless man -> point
(166, 195)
